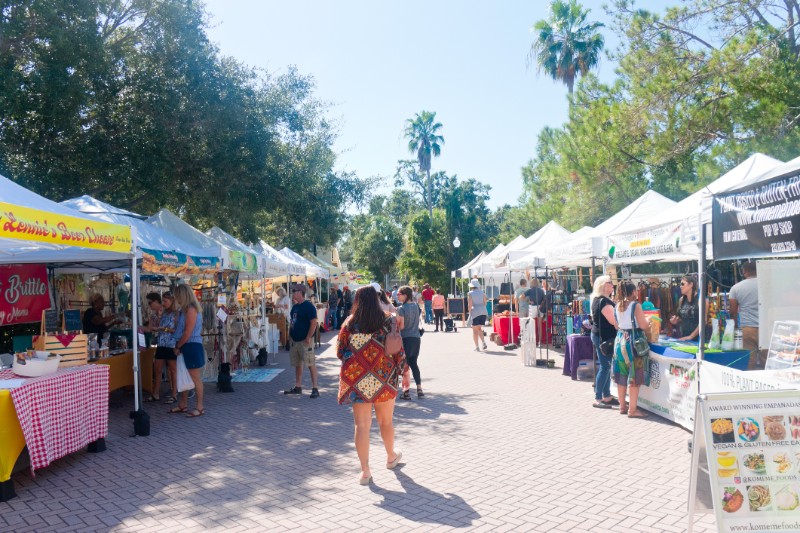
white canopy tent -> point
(13, 250)
(531, 254)
(148, 237)
(312, 270)
(489, 266)
(674, 234)
(267, 266)
(579, 251)
(172, 223)
(289, 267)
(467, 270)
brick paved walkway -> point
(494, 446)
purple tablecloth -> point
(579, 348)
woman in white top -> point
(476, 300)
(628, 368)
(282, 302)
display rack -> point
(559, 309)
(784, 346)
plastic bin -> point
(585, 370)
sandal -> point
(195, 413)
(170, 399)
(420, 394)
(406, 395)
(623, 410)
(152, 399)
(177, 409)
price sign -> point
(72, 320)
(50, 319)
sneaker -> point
(477, 349)
(314, 393)
(293, 390)
(484, 346)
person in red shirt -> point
(438, 310)
(427, 298)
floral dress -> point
(629, 369)
(368, 374)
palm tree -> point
(565, 45)
(423, 137)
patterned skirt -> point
(629, 370)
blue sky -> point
(379, 62)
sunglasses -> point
(684, 283)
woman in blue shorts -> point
(189, 343)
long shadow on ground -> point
(416, 503)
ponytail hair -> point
(626, 294)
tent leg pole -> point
(701, 274)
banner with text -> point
(161, 262)
(759, 221)
(672, 390)
(24, 293)
(24, 223)
(753, 449)
(652, 244)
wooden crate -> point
(74, 354)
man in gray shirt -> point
(744, 310)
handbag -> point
(607, 348)
(394, 342)
(641, 348)
(184, 379)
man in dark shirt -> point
(536, 297)
(93, 319)
(302, 328)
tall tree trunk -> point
(430, 196)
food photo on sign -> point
(24, 293)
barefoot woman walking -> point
(368, 377)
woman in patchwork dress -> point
(368, 377)
(629, 369)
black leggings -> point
(411, 347)
(438, 318)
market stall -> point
(34, 230)
(161, 253)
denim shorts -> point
(193, 355)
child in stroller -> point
(449, 324)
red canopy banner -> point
(24, 293)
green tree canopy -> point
(131, 103)
(566, 45)
(425, 140)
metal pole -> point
(137, 382)
(701, 293)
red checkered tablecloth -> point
(61, 413)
